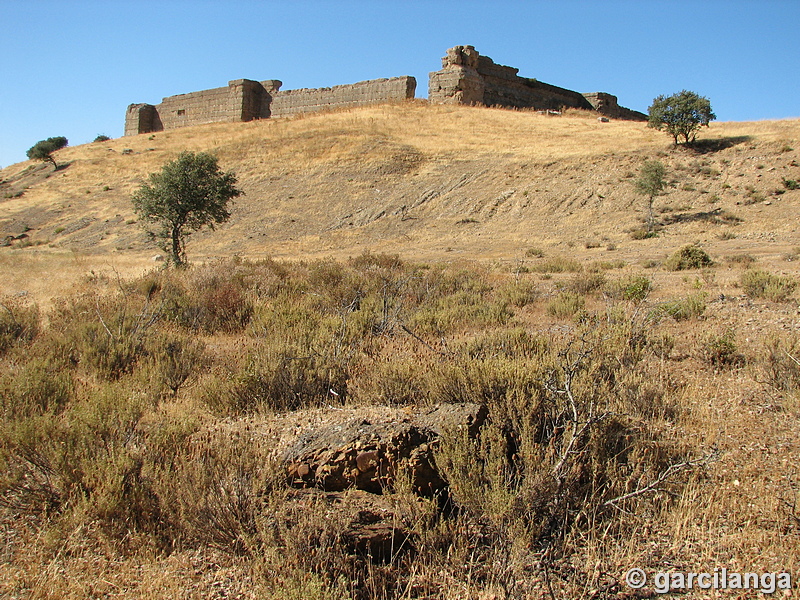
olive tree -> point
(187, 194)
(43, 150)
(650, 183)
(680, 115)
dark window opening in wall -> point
(181, 112)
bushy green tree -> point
(681, 115)
(650, 183)
(185, 195)
(43, 150)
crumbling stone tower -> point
(467, 77)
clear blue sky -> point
(71, 67)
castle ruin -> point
(466, 77)
(246, 100)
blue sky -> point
(71, 67)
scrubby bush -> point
(781, 363)
(586, 283)
(721, 350)
(459, 311)
(18, 323)
(686, 308)
(642, 234)
(518, 294)
(534, 252)
(37, 388)
(762, 284)
(565, 305)
(123, 418)
(173, 360)
(688, 257)
(634, 288)
(280, 377)
(556, 264)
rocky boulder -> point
(370, 455)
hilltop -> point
(430, 182)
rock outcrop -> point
(370, 456)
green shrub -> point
(741, 259)
(642, 234)
(790, 184)
(459, 311)
(399, 381)
(685, 308)
(518, 294)
(86, 461)
(605, 265)
(534, 253)
(565, 305)
(688, 257)
(634, 288)
(280, 377)
(173, 360)
(762, 284)
(721, 350)
(586, 283)
(38, 387)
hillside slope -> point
(224, 430)
(425, 181)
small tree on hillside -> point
(43, 150)
(187, 194)
(681, 115)
(650, 183)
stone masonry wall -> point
(245, 100)
(142, 118)
(375, 91)
(467, 77)
(196, 108)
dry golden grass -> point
(434, 182)
(520, 199)
(739, 511)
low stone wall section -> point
(292, 102)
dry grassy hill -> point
(430, 182)
(267, 428)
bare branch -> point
(671, 470)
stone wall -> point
(245, 100)
(607, 105)
(467, 77)
(375, 91)
(142, 118)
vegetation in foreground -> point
(138, 426)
